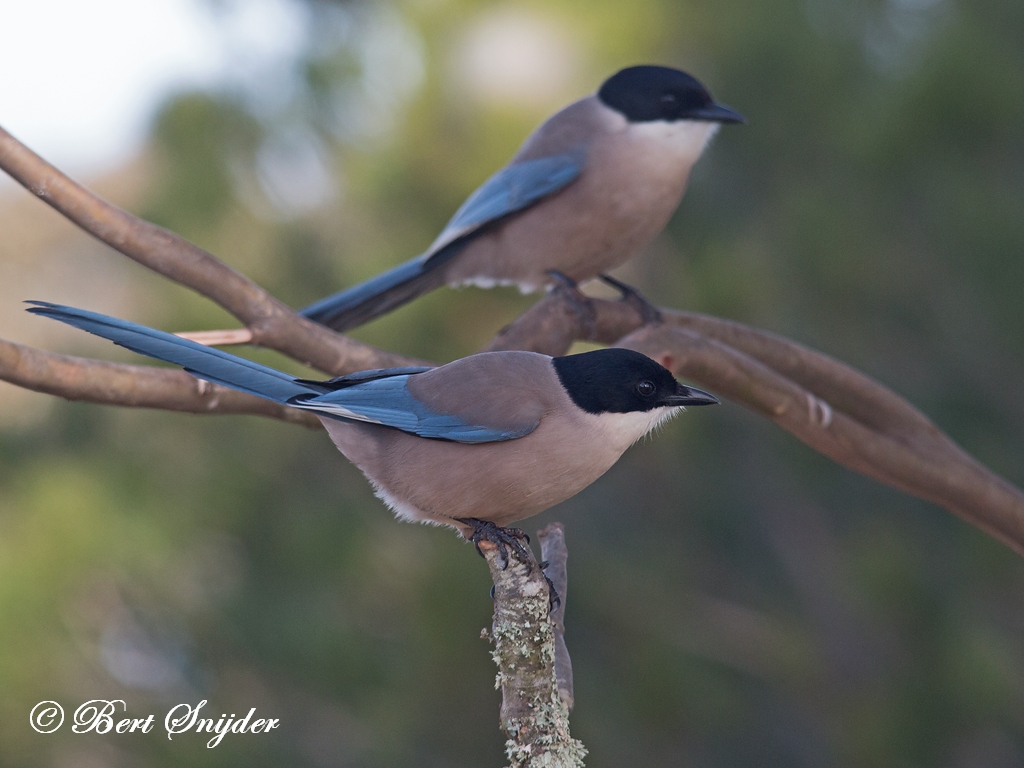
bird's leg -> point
(580, 303)
(647, 311)
(484, 530)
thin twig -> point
(832, 407)
(225, 338)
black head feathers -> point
(648, 92)
(623, 381)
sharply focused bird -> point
(587, 191)
(476, 444)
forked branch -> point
(830, 406)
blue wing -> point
(511, 189)
(387, 401)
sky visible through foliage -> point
(735, 599)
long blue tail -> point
(378, 295)
(204, 362)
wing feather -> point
(388, 402)
(511, 189)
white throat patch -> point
(687, 138)
(624, 429)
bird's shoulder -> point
(500, 390)
(487, 397)
(571, 129)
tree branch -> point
(830, 406)
(534, 715)
(140, 386)
(921, 461)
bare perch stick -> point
(533, 714)
(830, 406)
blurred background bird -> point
(588, 190)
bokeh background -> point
(735, 599)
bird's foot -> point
(577, 300)
(647, 311)
(503, 538)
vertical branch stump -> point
(534, 715)
(555, 556)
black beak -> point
(689, 396)
(715, 113)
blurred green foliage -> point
(735, 599)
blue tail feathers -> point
(204, 362)
(377, 296)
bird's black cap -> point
(648, 92)
(623, 381)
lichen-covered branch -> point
(534, 715)
(830, 406)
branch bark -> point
(140, 386)
(534, 714)
(913, 456)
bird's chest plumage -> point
(503, 482)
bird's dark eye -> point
(670, 105)
(645, 388)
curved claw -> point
(648, 312)
(554, 599)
